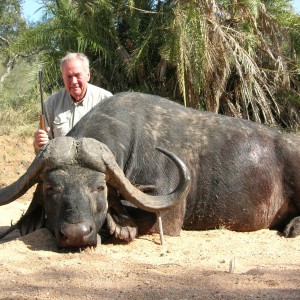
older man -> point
(66, 107)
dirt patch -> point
(217, 264)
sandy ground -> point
(216, 264)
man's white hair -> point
(76, 56)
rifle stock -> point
(42, 122)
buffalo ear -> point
(120, 226)
(34, 217)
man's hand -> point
(40, 138)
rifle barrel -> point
(42, 118)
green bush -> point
(20, 100)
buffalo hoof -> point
(293, 228)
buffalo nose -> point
(80, 235)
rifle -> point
(42, 116)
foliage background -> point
(239, 58)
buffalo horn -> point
(95, 155)
(23, 184)
(105, 162)
(56, 152)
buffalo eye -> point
(98, 189)
(51, 190)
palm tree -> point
(11, 23)
(236, 57)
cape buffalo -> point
(244, 176)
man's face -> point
(76, 78)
